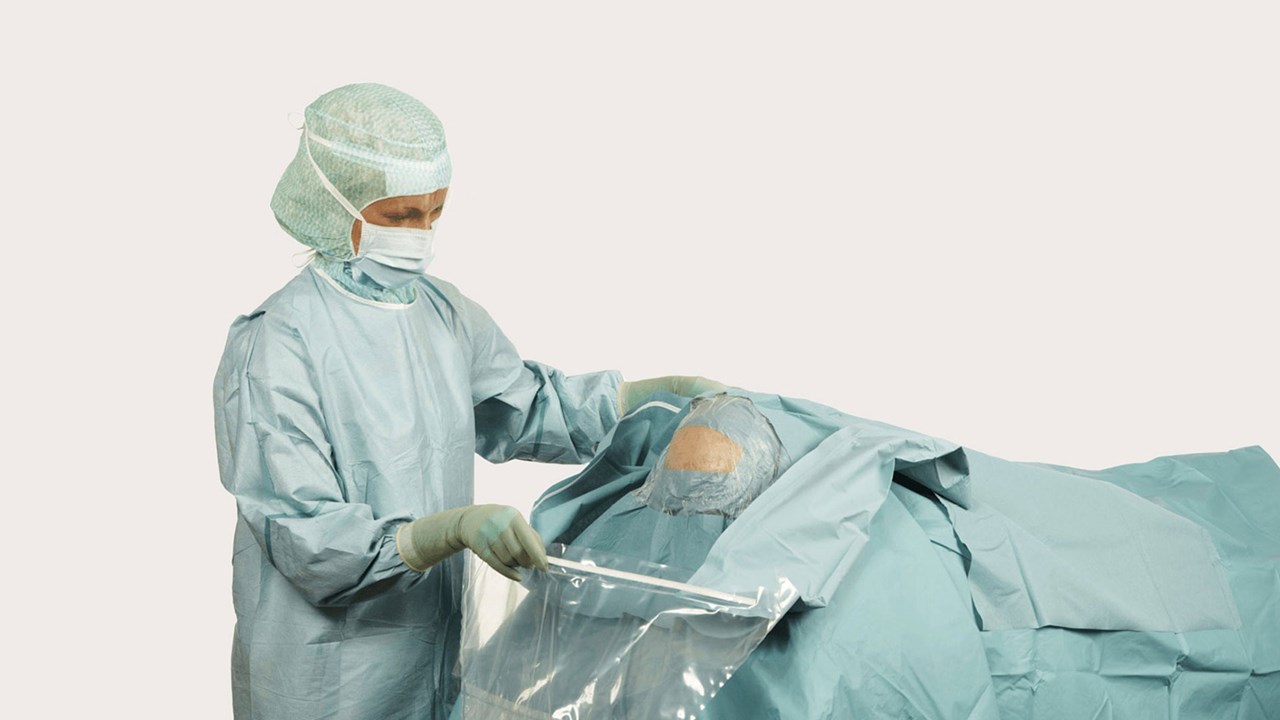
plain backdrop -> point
(1046, 231)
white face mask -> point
(393, 256)
(390, 256)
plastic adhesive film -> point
(723, 455)
(603, 636)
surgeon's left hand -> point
(634, 393)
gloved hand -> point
(634, 393)
(498, 534)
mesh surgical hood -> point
(370, 142)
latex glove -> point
(634, 393)
(498, 534)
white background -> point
(1047, 233)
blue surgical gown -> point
(338, 419)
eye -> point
(403, 215)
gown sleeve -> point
(274, 456)
(530, 411)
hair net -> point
(723, 455)
(372, 142)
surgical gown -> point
(338, 419)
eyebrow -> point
(413, 210)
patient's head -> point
(723, 455)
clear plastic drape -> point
(603, 636)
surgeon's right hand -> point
(498, 534)
(634, 393)
(502, 538)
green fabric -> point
(1060, 673)
(365, 287)
(1034, 534)
(895, 640)
(890, 627)
(337, 421)
(630, 527)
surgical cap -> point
(372, 142)
(723, 455)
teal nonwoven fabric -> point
(868, 524)
(895, 639)
(1051, 548)
(339, 419)
(1221, 673)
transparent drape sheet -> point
(605, 636)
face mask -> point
(390, 256)
(393, 256)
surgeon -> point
(347, 409)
